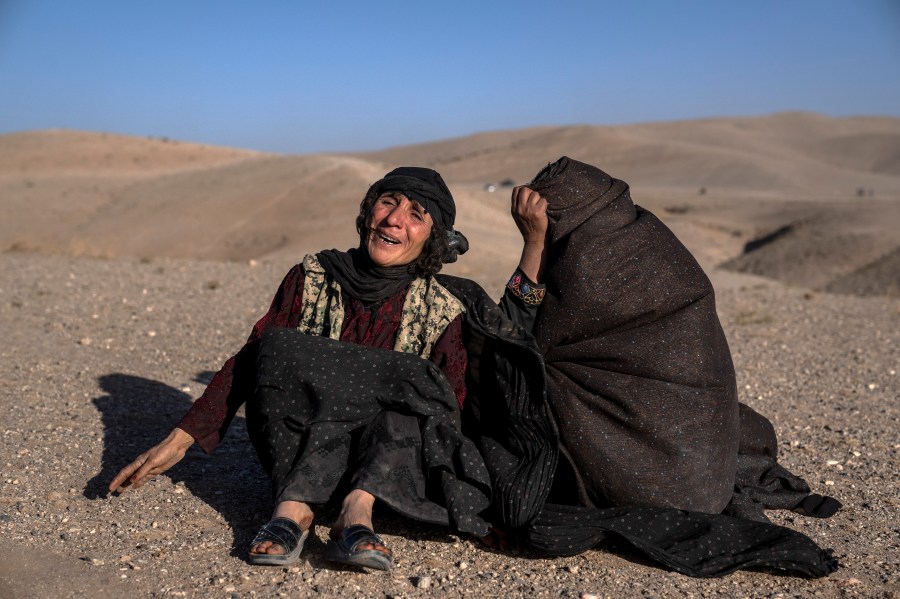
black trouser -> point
(327, 417)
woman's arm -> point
(529, 211)
(524, 291)
(209, 417)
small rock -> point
(829, 483)
(463, 565)
(423, 582)
(589, 596)
(572, 569)
(85, 341)
(293, 569)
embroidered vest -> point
(427, 310)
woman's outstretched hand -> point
(155, 460)
(529, 210)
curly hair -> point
(434, 254)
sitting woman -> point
(335, 415)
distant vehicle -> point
(507, 183)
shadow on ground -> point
(137, 413)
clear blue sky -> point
(300, 76)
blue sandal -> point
(344, 549)
(280, 531)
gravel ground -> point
(102, 357)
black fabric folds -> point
(328, 416)
(507, 415)
(694, 544)
(761, 482)
(361, 417)
(361, 278)
(505, 412)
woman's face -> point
(398, 230)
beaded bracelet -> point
(529, 292)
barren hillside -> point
(801, 197)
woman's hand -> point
(154, 461)
(529, 210)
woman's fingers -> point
(524, 200)
(121, 481)
(155, 461)
(148, 470)
(529, 210)
(527, 202)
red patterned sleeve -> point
(449, 354)
(208, 418)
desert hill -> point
(798, 152)
(60, 151)
(800, 197)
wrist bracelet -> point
(527, 291)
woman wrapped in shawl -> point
(639, 374)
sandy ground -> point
(101, 358)
(104, 352)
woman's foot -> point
(297, 512)
(357, 509)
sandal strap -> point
(280, 531)
(354, 536)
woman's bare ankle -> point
(355, 509)
(297, 511)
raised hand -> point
(529, 211)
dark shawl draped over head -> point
(641, 386)
(639, 374)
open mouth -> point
(387, 238)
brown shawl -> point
(639, 374)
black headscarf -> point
(426, 187)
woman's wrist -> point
(181, 438)
(532, 261)
(526, 289)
